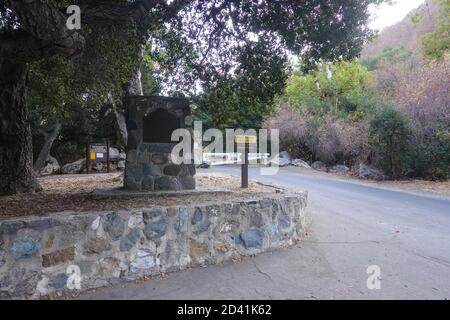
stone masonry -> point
(150, 122)
(77, 251)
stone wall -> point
(46, 254)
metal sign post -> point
(246, 141)
(107, 156)
(244, 168)
(88, 157)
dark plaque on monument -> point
(151, 122)
(158, 126)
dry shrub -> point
(292, 130)
(424, 94)
(328, 139)
(342, 140)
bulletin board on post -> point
(97, 152)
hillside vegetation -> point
(389, 109)
(408, 32)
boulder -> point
(51, 167)
(285, 155)
(339, 169)
(121, 165)
(301, 164)
(114, 153)
(284, 159)
(97, 166)
(74, 167)
(319, 166)
(203, 165)
(369, 172)
(122, 156)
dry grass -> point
(74, 193)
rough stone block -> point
(197, 217)
(96, 246)
(59, 282)
(130, 240)
(151, 214)
(253, 238)
(144, 260)
(198, 249)
(147, 183)
(114, 225)
(188, 183)
(57, 257)
(109, 267)
(155, 230)
(203, 227)
(172, 170)
(25, 246)
(159, 158)
(151, 169)
(11, 227)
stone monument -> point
(150, 123)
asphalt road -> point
(407, 236)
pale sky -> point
(385, 15)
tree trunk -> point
(45, 151)
(134, 87)
(121, 124)
(16, 152)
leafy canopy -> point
(437, 43)
(328, 88)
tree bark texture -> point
(16, 150)
(49, 138)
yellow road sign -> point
(245, 139)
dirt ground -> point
(75, 193)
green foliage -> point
(331, 88)
(432, 153)
(245, 98)
(151, 86)
(437, 43)
(389, 55)
(416, 18)
(74, 91)
(236, 51)
(439, 153)
(388, 140)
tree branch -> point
(47, 24)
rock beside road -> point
(284, 159)
(339, 169)
(319, 166)
(300, 164)
(369, 172)
(203, 165)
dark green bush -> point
(389, 142)
(432, 153)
